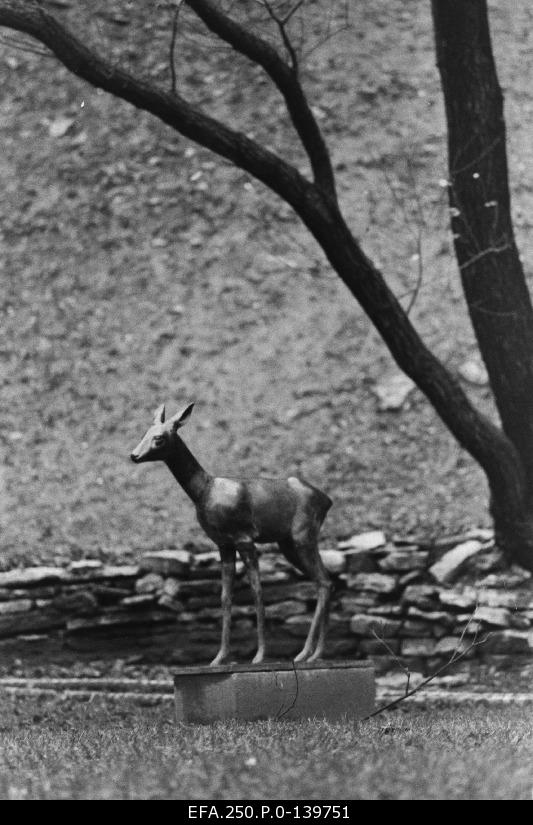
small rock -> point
(298, 625)
(170, 603)
(403, 560)
(451, 564)
(167, 562)
(210, 558)
(362, 625)
(390, 611)
(195, 587)
(107, 595)
(151, 583)
(465, 599)
(409, 578)
(416, 628)
(77, 602)
(373, 582)
(17, 606)
(334, 561)
(117, 620)
(453, 681)
(60, 126)
(423, 596)
(509, 642)
(360, 561)
(496, 616)
(118, 571)
(291, 591)
(515, 600)
(519, 621)
(364, 541)
(467, 626)
(85, 566)
(379, 647)
(418, 647)
(171, 588)
(398, 681)
(139, 601)
(392, 392)
(283, 610)
(449, 542)
(487, 562)
(358, 603)
(32, 576)
(506, 581)
(484, 534)
(437, 616)
(450, 646)
(475, 373)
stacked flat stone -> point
(420, 603)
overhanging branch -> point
(29, 17)
(285, 78)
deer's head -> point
(156, 443)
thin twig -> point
(280, 714)
(22, 46)
(490, 250)
(455, 657)
(419, 237)
(396, 658)
(281, 24)
(173, 46)
(416, 235)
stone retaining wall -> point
(406, 600)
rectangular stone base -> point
(275, 690)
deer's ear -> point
(181, 417)
(159, 415)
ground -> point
(82, 751)
(139, 269)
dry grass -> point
(92, 751)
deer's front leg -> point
(227, 556)
(248, 554)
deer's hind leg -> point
(227, 557)
(248, 554)
(304, 555)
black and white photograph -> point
(266, 419)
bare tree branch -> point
(23, 46)
(259, 51)
(456, 656)
(29, 17)
(281, 23)
(172, 56)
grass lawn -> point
(57, 750)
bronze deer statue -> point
(237, 514)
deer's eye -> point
(159, 440)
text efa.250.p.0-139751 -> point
(265, 811)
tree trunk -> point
(493, 450)
(491, 272)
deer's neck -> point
(187, 471)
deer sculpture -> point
(237, 514)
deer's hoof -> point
(220, 659)
(259, 658)
(303, 656)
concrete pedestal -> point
(275, 690)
